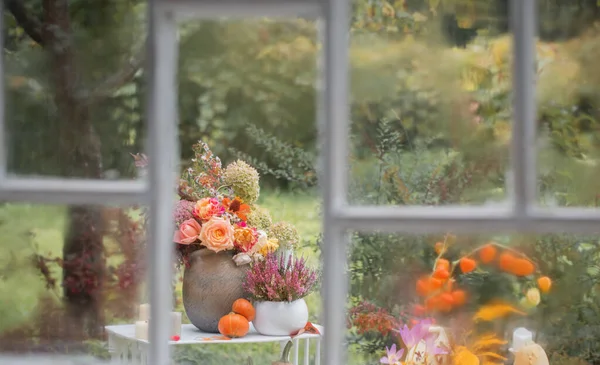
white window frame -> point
(519, 214)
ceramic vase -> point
(211, 283)
(280, 318)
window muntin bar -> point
(202, 9)
(334, 145)
(468, 220)
(523, 189)
(3, 144)
(73, 191)
(162, 149)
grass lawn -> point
(25, 229)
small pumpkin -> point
(285, 355)
(234, 325)
(245, 308)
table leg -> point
(136, 353)
(296, 345)
(119, 350)
(281, 347)
(318, 352)
(144, 353)
(307, 351)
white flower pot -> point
(280, 318)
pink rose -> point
(188, 232)
(217, 234)
(207, 208)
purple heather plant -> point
(275, 280)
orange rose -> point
(245, 238)
(207, 208)
(188, 232)
(217, 234)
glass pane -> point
(568, 100)
(67, 272)
(74, 88)
(431, 105)
(247, 133)
(471, 299)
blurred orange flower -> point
(237, 207)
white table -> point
(127, 350)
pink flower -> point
(419, 332)
(276, 279)
(188, 232)
(207, 208)
(392, 357)
(183, 212)
(217, 234)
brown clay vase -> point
(211, 283)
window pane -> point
(68, 271)
(568, 100)
(479, 291)
(431, 104)
(247, 90)
(74, 88)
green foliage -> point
(574, 264)
(258, 71)
(293, 164)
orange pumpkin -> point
(245, 308)
(234, 325)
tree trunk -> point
(84, 261)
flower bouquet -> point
(219, 231)
(278, 285)
(217, 210)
